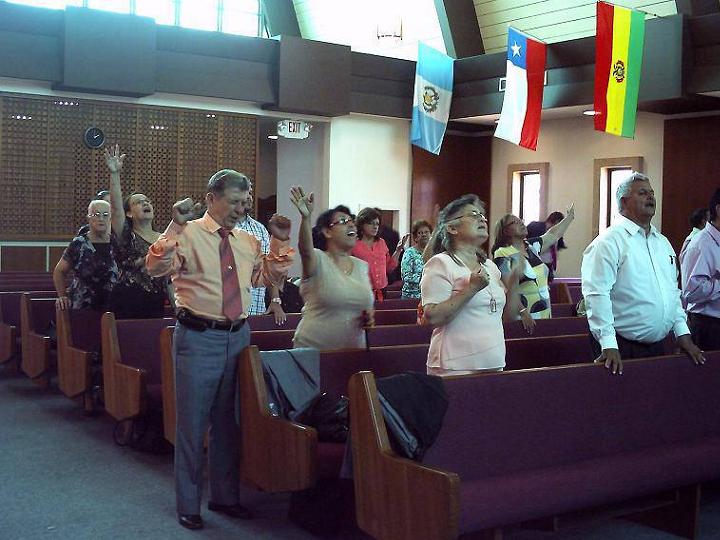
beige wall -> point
(570, 146)
(370, 164)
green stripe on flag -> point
(634, 68)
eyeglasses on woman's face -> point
(99, 215)
(342, 221)
(475, 214)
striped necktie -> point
(231, 299)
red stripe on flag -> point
(603, 60)
(535, 65)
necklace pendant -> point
(493, 306)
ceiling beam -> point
(695, 8)
(459, 27)
(280, 18)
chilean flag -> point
(520, 117)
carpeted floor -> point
(63, 477)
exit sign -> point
(294, 129)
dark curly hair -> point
(323, 221)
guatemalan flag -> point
(431, 100)
(520, 117)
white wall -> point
(370, 164)
(302, 162)
(570, 145)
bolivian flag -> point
(618, 62)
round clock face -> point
(94, 137)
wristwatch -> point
(276, 301)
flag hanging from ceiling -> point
(524, 82)
(618, 62)
(431, 99)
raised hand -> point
(114, 159)
(480, 279)
(304, 203)
(570, 212)
(279, 227)
(405, 242)
(183, 211)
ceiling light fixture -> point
(273, 137)
(591, 113)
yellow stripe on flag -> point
(617, 83)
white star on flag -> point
(515, 49)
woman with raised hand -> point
(136, 295)
(511, 240)
(373, 250)
(412, 263)
(335, 285)
(91, 258)
(463, 295)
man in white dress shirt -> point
(629, 282)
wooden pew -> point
(267, 322)
(630, 436)
(10, 324)
(38, 349)
(395, 316)
(392, 295)
(398, 303)
(556, 326)
(131, 365)
(564, 310)
(167, 377)
(78, 347)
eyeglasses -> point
(99, 215)
(474, 215)
(342, 221)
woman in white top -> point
(463, 295)
(335, 285)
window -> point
(242, 17)
(163, 11)
(609, 174)
(528, 190)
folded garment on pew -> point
(414, 406)
(292, 378)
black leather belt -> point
(189, 319)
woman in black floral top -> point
(91, 258)
(136, 295)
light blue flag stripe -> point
(431, 103)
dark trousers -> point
(630, 349)
(705, 331)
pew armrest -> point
(277, 455)
(127, 399)
(74, 371)
(36, 355)
(7, 342)
(395, 498)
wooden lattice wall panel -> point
(48, 176)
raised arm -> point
(114, 161)
(305, 205)
(163, 258)
(556, 232)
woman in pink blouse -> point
(373, 250)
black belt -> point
(195, 322)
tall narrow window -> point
(609, 174)
(528, 190)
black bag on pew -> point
(329, 416)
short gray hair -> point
(226, 178)
(623, 190)
(98, 202)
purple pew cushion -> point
(10, 304)
(563, 310)
(506, 423)
(336, 368)
(85, 328)
(387, 361)
(536, 352)
(267, 322)
(139, 341)
(527, 495)
(272, 340)
(42, 313)
(395, 316)
(399, 334)
(329, 459)
(558, 326)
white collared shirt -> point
(629, 281)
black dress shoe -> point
(190, 521)
(232, 510)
